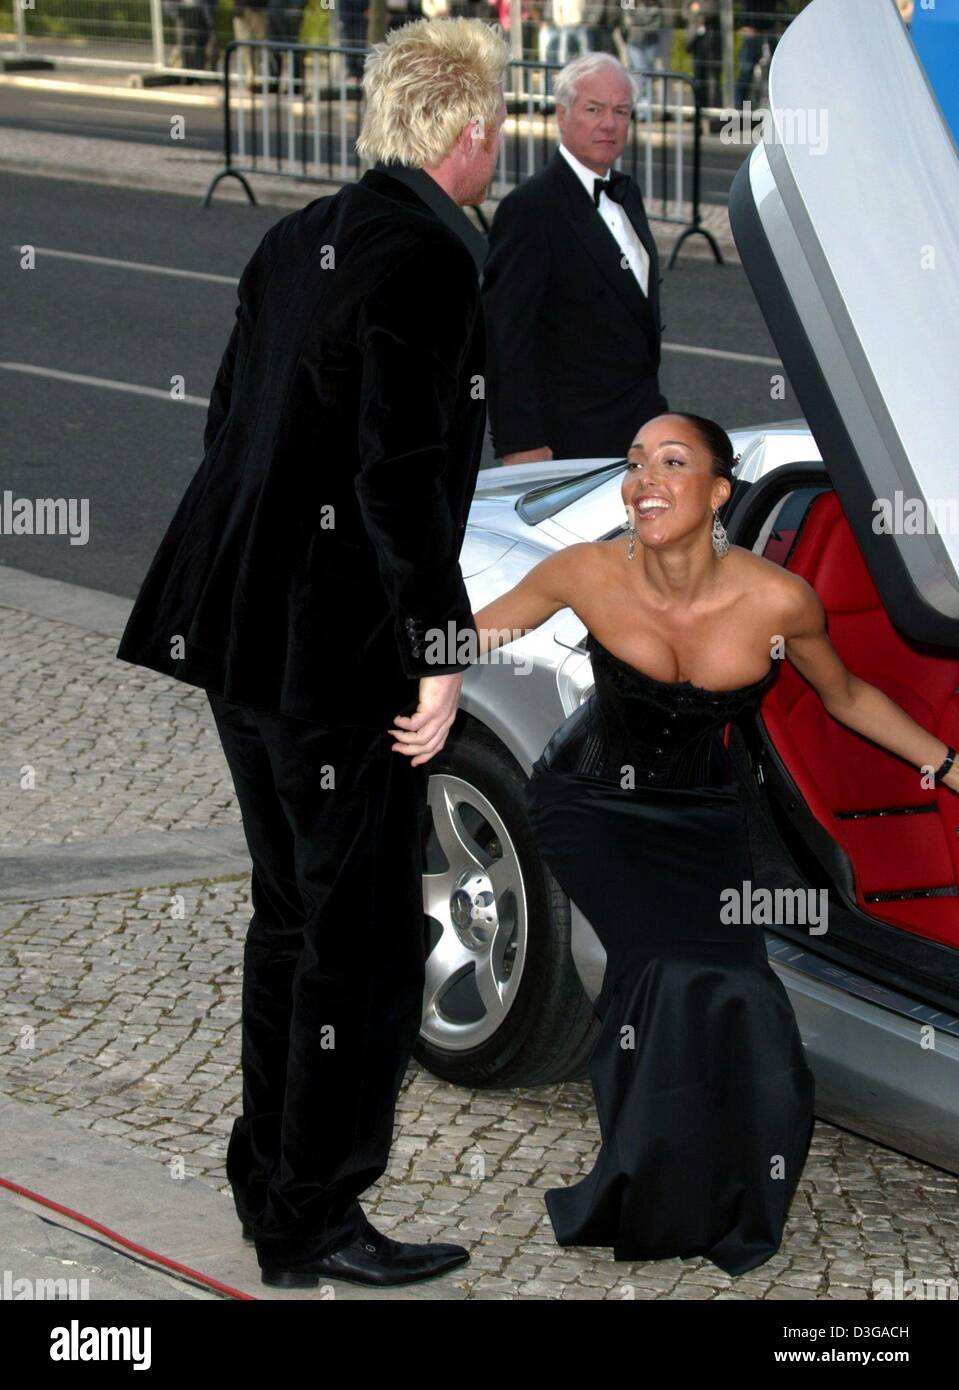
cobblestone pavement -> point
(112, 749)
(121, 1010)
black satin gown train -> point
(703, 1094)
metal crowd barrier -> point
(293, 110)
(136, 37)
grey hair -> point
(424, 83)
(569, 78)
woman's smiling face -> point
(669, 487)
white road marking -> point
(104, 383)
(83, 106)
(134, 265)
(722, 352)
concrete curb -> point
(118, 863)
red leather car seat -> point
(901, 838)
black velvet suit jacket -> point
(573, 343)
(319, 539)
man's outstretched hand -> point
(420, 736)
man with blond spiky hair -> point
(317, 543)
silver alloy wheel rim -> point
(477, 903)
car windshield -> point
(549, 498)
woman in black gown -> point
(703, 1094)
(704, 1097)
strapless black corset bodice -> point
(668, 732)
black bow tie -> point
(614, 187)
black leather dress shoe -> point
(371, 1258)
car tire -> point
(547, 1028)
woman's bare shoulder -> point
(756, 569)
(583, 558)
(563, 572)
(602, 552)
(595, 562)
(574, 572)
(771, 584)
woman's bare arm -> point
(854, 702)
(548, 587)
(540, 594)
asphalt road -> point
(132, 289)
(101, 114)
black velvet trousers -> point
(333, 969)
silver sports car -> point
(851, 244)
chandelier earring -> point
(720, 538)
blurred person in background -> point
(250, 22)
(406, 11)
(194, 34)
(354, 20)
(531, 11)
(638, 33)
(602, 18)
(285, 18)
(564, 29)
(704, 45)
(760, 22)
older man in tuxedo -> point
(313, 550)
(571, 287)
